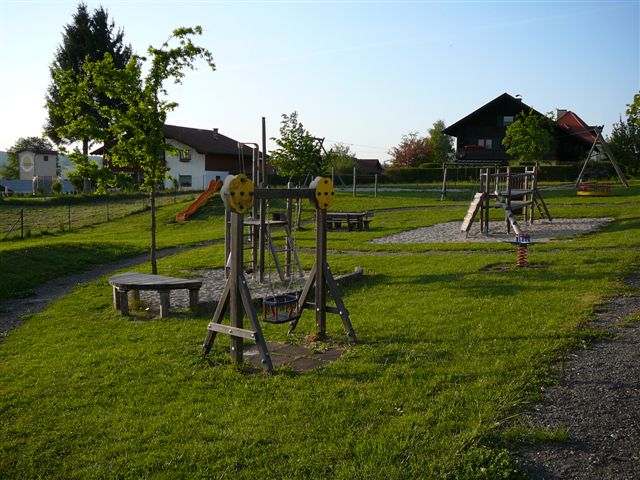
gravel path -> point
(598, 402)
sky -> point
(362, 73)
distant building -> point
(37, 163)
(202, 155)
(368, 166)
(479, 135)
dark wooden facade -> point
(479, 135)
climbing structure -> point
(238, 193)
(514, 193)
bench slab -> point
(134, 281)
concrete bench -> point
(133, 281)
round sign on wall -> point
(26, 163)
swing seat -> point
(281, 308)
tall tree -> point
(412, 151)
(529, 137)
(135, 131)
(298, 155)
(633, 110)
(441, 144)
(87, 38)
(12, 168)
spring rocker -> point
(238, 194)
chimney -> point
(560, 112)
(215, 133)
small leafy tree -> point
(341, 158)
(441, 144)
(625, 138)
(412, 151)
(11, 170)
(633, 110)
(134, 128)
(298, 155)
(529, 137)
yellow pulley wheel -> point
(238, 192)
(325, 193)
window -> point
(507, 120)
(185, 155)
(184, 180)
(46, 158)
(486, 143)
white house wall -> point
(195, 168)
(34, 165)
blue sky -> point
(362, 73)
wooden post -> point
(22, 223)
(261, 239)
(375, 186)
(354, 181)
(227, 241)
(321, 284)
(235, 303)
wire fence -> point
(26, 220)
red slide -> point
(214, 186)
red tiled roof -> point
(574, 125)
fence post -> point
(354, 181)
(22, 223)
(375, 185)
(69, 216)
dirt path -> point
(598, 402)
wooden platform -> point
(134, 281)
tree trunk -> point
(86, 183)
(152, 203)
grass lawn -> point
(450, 349)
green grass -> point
(450, 350)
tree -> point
(298, 155)
(87, 39)
(625, 138)
(441, 144)
(633, 110)
(12, 168)
(341, 158)
(412, 151)
(529, 137)
(134, 133)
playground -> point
(450, 353)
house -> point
(201, 156)
(369, 166)
(479, 135)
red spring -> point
(522, 256)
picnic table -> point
(353, 220)
(134, 281)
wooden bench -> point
(353, 220)
(133, 281)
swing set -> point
(239, 195)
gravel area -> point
(540, 231)
(597, 402)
